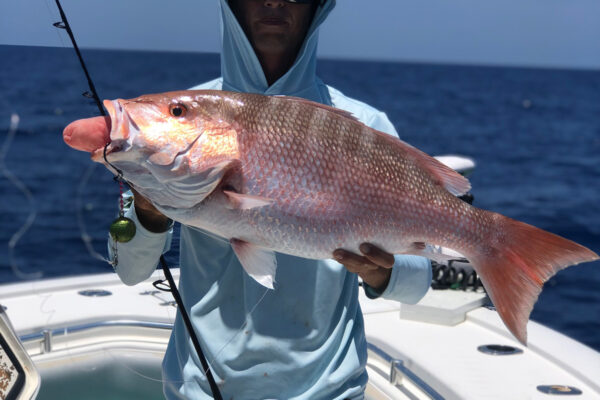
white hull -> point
(112, 346)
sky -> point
(540, 33)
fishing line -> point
(12, 131)
(85, 237)
(54, 19)
(64, 24)
(161, 285)
(172, 287)
(138, 373)
(242, 327)
(32, 277)
(93, 94)
(79, 208)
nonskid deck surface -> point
(94, 329)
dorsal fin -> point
(445, 176)
(451, 180)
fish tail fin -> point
(514, 268)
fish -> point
(284, 174)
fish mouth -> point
(121, 128)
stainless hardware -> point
(100, 324)
(46, 341)
(398, 370)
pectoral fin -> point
(245, 201)
(259, 263)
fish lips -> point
(122, 130)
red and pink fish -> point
(282, 174)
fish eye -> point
(177, 110)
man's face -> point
(273, 27)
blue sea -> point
(534, 134)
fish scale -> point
(282, 174)
(351, 194)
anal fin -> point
(258, 262)
(436, 253)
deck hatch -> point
(499, 350)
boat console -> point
(19, 379)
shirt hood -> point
(242, 72)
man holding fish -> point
(305, 339)
(250, 175)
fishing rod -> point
(123, 226)
(64, 24)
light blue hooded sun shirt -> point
(303, 340)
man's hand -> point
(374, 266)
(150, 218)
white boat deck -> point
(436, 342)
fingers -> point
(148, 215)
(377, 256)
(142, 203)
(373, 258)
(353, 262)
(374, 266)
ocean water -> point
(534, 133)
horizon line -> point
(390, 60)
